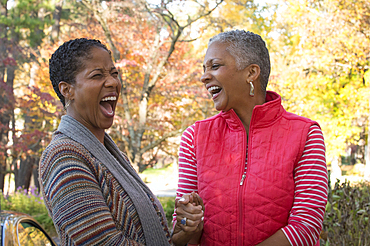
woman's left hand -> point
(189, 213)
(189, 219)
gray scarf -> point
(112, 158)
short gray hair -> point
(247, 48)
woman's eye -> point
(215, 66)
(98, 75)
(115, 74)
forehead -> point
(97, 57)
(216, 50)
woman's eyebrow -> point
(102, 70)
(209, 61)
(97, 69)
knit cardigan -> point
(93, 194)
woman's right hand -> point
(191, 207)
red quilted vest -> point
(247, 214)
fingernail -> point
(202, 218)
(182, 199)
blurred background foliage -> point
(320, 59)
(319, 52)
(347, 215)
(29, 202)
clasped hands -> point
(189, 210)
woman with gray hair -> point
(260, 171)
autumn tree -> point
(321, 72)
(7, 68)
(22, 25)
(320, 57)
(147, 42)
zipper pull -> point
(243, 177)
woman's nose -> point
(112, 81)
(206, 77)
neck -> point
(245, 113)
(100, 136)
(245, 117)
(98, 132)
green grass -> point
(168, 204)
(31, 203)
(152, 175)
(346, 219)
(155, 171)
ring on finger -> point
(183, 221)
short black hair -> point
(67, 61)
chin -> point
(217, 107)
(220, 108)
(106, 125)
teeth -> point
(109, 99)
(210, 89)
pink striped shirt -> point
(310, 178)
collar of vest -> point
(263, 115)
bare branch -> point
(203, 15)
(92, 6)
(162, 139)
(188, 40)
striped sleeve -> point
(311, 190)
(74, 198)
(188, 181)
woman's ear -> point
(66, 89)
(253, 72)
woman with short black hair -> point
(90, 189)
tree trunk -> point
(336, 172)
(23, 177)
(3, 54)
(137, 163)
(7, 104)
(56, 17)
(4, 117)
(10, 84)
(36, 173)
(2, 172)
(4, 122)
(155, 64)
(367, 150)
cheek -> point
(119, 87)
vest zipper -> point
(239, 235)
(243, 177)
(240, 229)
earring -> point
(251, 93)
(67, 105)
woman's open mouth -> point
(107, 105)
(215, 91)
